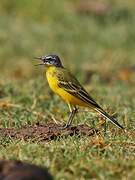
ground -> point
(96, 42)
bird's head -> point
(50, 60)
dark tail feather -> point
(103, 113)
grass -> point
(89, 42)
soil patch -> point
(44, 132)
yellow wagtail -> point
(63, 83)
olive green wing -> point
(71, 85)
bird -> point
(64, 84)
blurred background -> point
(89, 34)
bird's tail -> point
(110, 118)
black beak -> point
(40, 58)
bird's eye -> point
(48, 59)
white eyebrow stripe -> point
(49, 57)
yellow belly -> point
(70, 99)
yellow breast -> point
(52, 79)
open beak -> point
(39, 58)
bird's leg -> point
(72, 115)
(73, 111)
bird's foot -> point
(65, 126)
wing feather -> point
(79, 92)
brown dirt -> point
(44, 132)
(95, 7)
